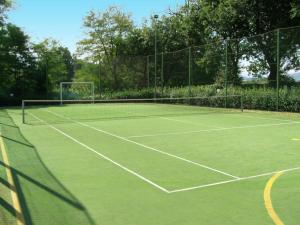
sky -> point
(63, 19)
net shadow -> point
(43, 198)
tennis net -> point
(54, 111)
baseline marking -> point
(234, 180)
(186, 122)
(211, 130)
(194, 187)
(101, 155)
(263, 118)
(145, 146)
(13, 190)
(295, 139)
(268, 200)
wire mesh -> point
(264, 68)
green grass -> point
(63, 174)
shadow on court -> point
(16, 141)
(3, 124)
(44, 200)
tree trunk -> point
(270, 57)
(271, 60)
(233, 71)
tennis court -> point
(141, 162)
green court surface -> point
(151, 164)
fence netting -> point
(265, 69)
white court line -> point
(232, 180)
(156, 185)
(102, 156)
(186, 122)
(145, 146)
(170, 119)
(211, 130)
(262, 118)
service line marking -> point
(212, 130)
(152, 183)
(145, 146)
(13, 189)
(263, 118)
(102, 155)
(187, 122)
(268, 199)
(234, 180)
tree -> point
(4, 6)
(55, 64)
(17, 64)
(87, 72)
(228, 19)
(18, 69)
(295, 12)
(237, 19)
(106, 32)
(27, 70)
(267, 16)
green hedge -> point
(263, 98)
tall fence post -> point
(46, 76)
(162, 74)
(148, 72)
(93, 92)
(155, 61)
(242, 103)
(61, 93)
(226, 71)
(99, 78)
(278, 68)
(190, 69)
(155, 75)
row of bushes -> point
(253, 98)
(262, 98)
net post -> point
(190, 69)
(23, 111)
(278, 68)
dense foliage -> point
(29, 70)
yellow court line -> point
(268, 200)
(13, 190)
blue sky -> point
(62, 19)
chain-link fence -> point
(265, 69)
